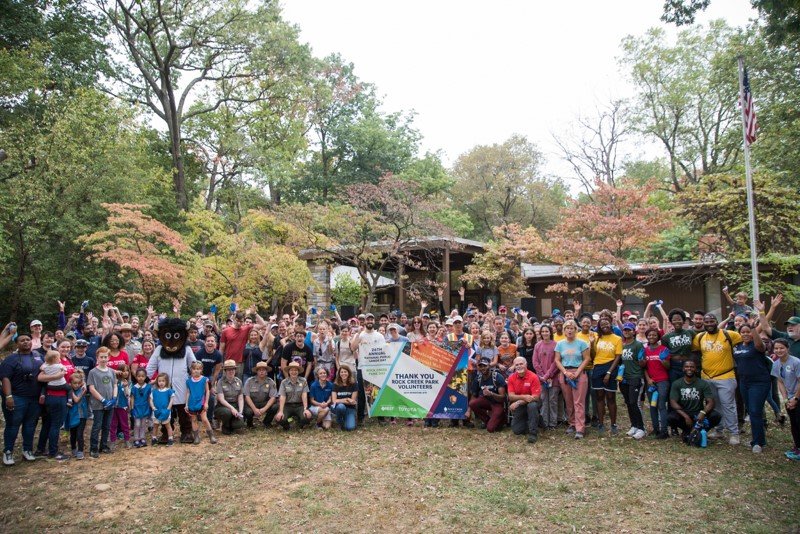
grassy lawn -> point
(411, 479)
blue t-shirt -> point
(751, 365)
(94, 344)
(85, 364)
(320, 394)
(197, 392)
(571, 352)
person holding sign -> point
(489, 396)
(524, 394)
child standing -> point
(140, 407)
(119, 415)
(197, 392)
(78, 414)
(161, 404)
(102, 384)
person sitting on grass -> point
(692, 401)
(321, 392)
(524, 394)
(293, 399)
(489, 396)
(260, 397)
(230, 400)
(345, 398)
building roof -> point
(533, 271)
(455, 243)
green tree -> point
(502, 184)
(346, 291)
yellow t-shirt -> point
(716, 354)
(558, 337)
(607, 348)
(589, 339)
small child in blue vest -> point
(78, 414)
(140, 408)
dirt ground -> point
(410, 479)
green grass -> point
(410, 479)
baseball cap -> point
(36, 322)
(458, 319)
(81, 343)
(791, 320)
(629, 326)
(448, 322)
(484, 361)
(626, 313)
(369, 315)
(394, 326)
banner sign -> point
(415, 380)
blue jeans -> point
(345, 416)
(57, 408)
(25, 414)
(100, 423)
(754, 395)
(658, 414)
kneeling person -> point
(692, 400)
(489, 396)
(321, 396)
(230, 400)
(260, 397)
(293, 398)
(524, 396)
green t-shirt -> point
(692, 397)
(632, 354)
(679, 344)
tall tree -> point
(176, 49)
(502, 184)
(686, 93)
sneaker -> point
(757, 449)
(531, 438)
(74, 452)
(632, 431)
(39, 453)
(59, 457)
(8, 458)
(106, 450)
(601, 429)
(793, 454)
(153, 441)
(734, 440)
(94, 454)
(570, 429)
(170, 442)
(578, 435)
(714, 434)
(639, 434)
(28, 455)
(79, 455)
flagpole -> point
(749, 184)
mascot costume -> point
(174, 358)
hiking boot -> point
(196, 437)
(531, 438)
(94, 454)
(211, 436)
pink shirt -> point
(544, 359)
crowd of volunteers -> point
(124, 381)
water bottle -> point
(703, 438)
(313, 311)
(545, 385)
(85, 304)
(620, 372)
(653, 391)
(659, 302)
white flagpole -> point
(749, 183)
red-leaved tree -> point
(153, 260)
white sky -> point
(477, 72)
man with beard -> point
(364, 339)
(692, 401)
(716, 352)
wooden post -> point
(446, 270)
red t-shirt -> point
(654, 357)
(235, 339)
(524, 385)
(115, 362)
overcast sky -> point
(477, 72)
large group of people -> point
(136, 383)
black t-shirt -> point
(494, 382)
(196, 346)
(85, 364)
(209, 361)
(527, 353)
(343, 392)
(302, 355)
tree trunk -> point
(16, 295)
(178, 173)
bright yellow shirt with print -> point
(716, 354)
(589, 339)
(558, 337)
(607, 348)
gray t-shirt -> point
(104, 382)
(789, 372)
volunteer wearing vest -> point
(716, 358)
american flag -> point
(750, 122)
